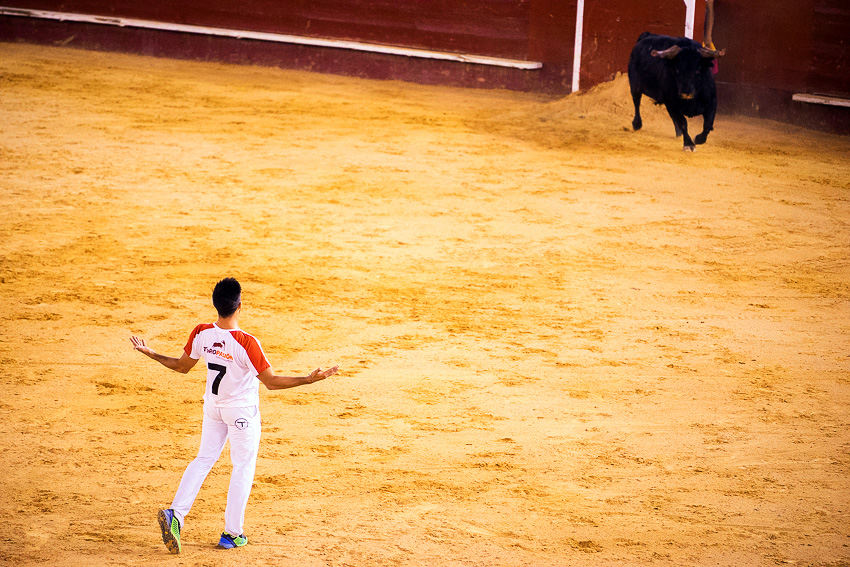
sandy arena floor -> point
(562, 343)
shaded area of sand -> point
(561, 342)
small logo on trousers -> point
(241, 423)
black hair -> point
(226, 296)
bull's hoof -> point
(637, 124)
(701, 138)
(690, 148)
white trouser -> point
(242, 426)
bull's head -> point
(686, 64)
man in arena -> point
(236, 365)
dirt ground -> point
(562, 343)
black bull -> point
(675, 72)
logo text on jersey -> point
(219, 353)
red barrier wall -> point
(552, 27)
(775, 48)
(612, 28)
(778, 49)
(492, 27)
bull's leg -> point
(637, 123)
(707, 125)
(681, 124)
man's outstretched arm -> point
(273, 382)
(183, 364)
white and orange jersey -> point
(234, 359)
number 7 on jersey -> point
(221, 372)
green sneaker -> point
(170, 527)
(228, 541)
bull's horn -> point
(669, 53)
(710, 53)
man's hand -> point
(182, 365)
(139, 345)
(319, 374)
(274, 382)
